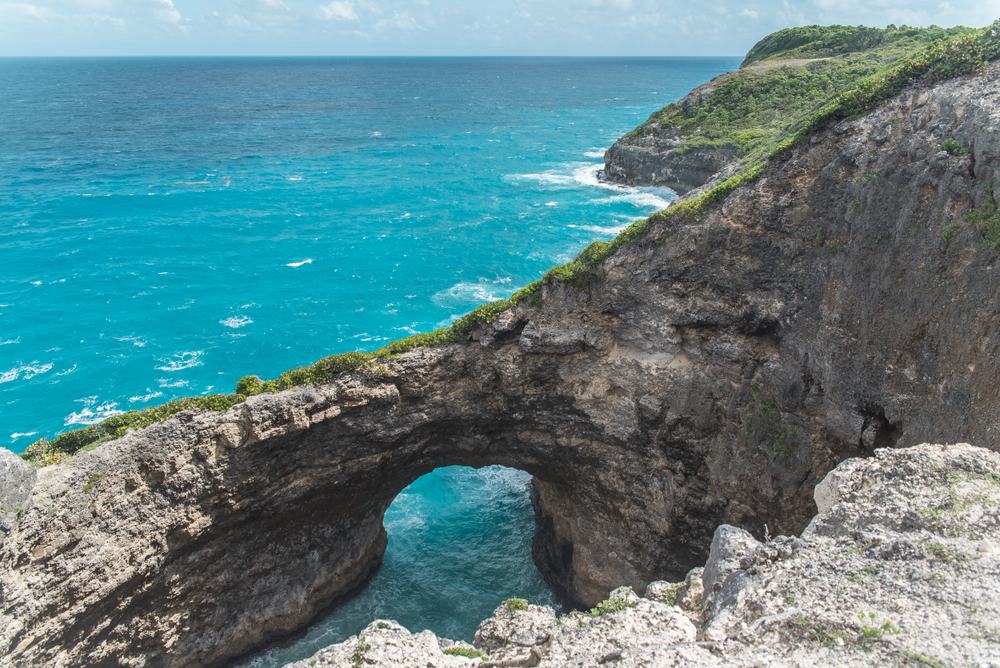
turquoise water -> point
(170, 225)
(459, 545)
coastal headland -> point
(709, 368)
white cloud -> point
(749, 12)
(404, 21)
(342, 11)
(169, 13)
(24, 9)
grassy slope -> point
(750, 111)
(963, 54)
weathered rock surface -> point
(17, 477)
(712, 379)
(903, 570)
(653, 161)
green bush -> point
(950, 231)
(515, 604)
(826, 41)
(987, 219)
(953, 147)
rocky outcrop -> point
(17, 477)
(651, 156)
(652, 161)
(713, 378)
(903, 569)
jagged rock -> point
(386, 643)
(17, 477)
(827, 492)
(710, 379)
(509, 634)
(729, 546)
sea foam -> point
(180, 361)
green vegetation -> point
(953, 147)
(515, 604)
(987, 219)
(765, 131)
(875, 631)
(829, 41)
(950, 231)
(609, 606)
(358, 658)
(670, 595)
(466, 652)
(753, 108)
(93, 480)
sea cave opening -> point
(459, 543)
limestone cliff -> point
(721, 367)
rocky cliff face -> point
(716, 374)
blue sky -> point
(441, 27)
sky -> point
(442, 27)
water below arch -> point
(459, 544)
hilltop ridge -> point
(738, 117)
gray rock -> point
(17, 478)
(729, 546)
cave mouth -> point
(459, 543)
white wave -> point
(134, 340)
(610, 229)
(164, 382)
(92, 414)
(638, 197)
(586, 175)
(146, 397)
(28, 370)
(36, 282)
(181, 361)
(16, 436)
(594, 154)
(299, 264)
(67, 371)
(236, 321)
(551, 177)
(472, 293)
(552, 204)
(9, 341)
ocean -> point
(170, 225)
